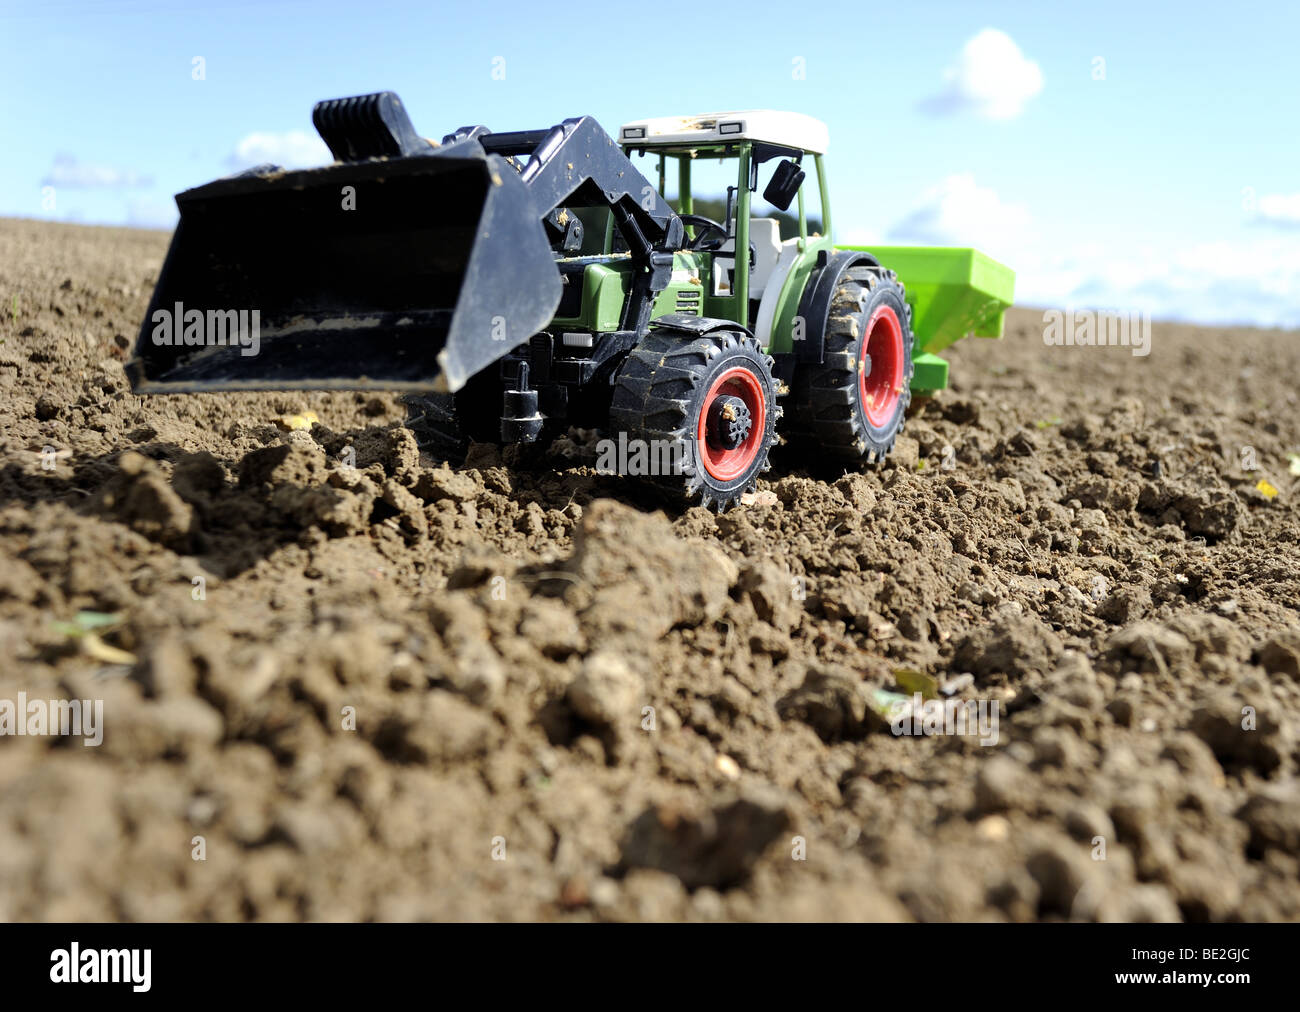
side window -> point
(812, 197)
(649, 163)
(789, 220)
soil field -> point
(340, 681)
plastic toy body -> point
(518, 283)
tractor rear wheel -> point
(853, 404)
(711, 397)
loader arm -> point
(578, 163)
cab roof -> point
(788, 129)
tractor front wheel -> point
(711, 398)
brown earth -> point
(408, 691)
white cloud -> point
(992, 78)
(1256, 282)
(293, 149)
(1253, 281)
(960, 212)
(70, 173)
(1279, 209)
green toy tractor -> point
(515, 284)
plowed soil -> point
(517, 689)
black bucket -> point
(407, 273)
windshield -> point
(711, 174)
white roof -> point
(792, 129)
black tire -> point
(838, 406)
(444, 424)
(675, 382)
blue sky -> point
(1166, 177)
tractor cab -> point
(746, 185)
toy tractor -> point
(469, 274)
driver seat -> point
(765, 242)
(765, 238)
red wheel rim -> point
(721, 463)
(881, 389)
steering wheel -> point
(707, 225)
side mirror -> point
(784, 185)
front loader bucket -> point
(409, 273)
(953, 293)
